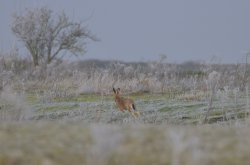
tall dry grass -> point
(78, 143)
(13, 106)
(94, 76)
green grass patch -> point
(84, 98)
(31, 98)
(149, 96)
(195, 106)
(216, 113)
(243, 114)
(183, 107)
(166, 109)
(59, 107)
(231, 107)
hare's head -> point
(116, 91)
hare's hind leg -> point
(135, 112)
(131, 112)
(134, 115)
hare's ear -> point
(114, 90)
(118, 89)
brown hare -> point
(125, 104)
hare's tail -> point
(133, 105)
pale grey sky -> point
(135, 30)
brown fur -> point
(125, 104)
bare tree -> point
(245, 75)
(46, 36)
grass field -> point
(89, 129)
(154, 109)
